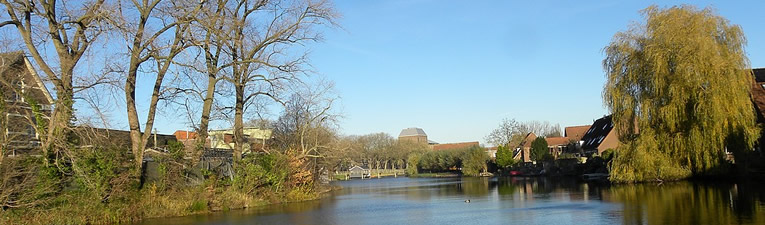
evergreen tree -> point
(539, 149)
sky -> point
(457, 68)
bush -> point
(177, 149)
(505, 157)
(474, 161)
(411, 164)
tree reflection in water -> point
(518, 200)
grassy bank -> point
(104, 190)
(152, 204)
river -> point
(510, 201)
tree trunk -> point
(58, 128)
(136, 140)
(239, 123)
(206, 110)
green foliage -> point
(539, 150)
(683, 79)
(102, 174)
(505, 157)
(40, 117)
(642, 160)
(608, 154)
(474, 161)
(256, 171)
(177, 149)
(442, 160)
(197, 206)
(411, 163)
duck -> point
(467, 201)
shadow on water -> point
(515, 200)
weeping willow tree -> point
(679, 90)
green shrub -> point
(411, 163)
(177, 149)
(198, 206)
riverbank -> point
(152, 205)
(434, 175)
(108, 192)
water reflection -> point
(511, 200)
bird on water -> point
(467, 201)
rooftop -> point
(412, 131)
(597, 132)
(575, 132)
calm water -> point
(510, 201)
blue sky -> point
(456, 68)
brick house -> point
(523, 151)
(600, 137)
(557, 145)
(413, 134)
(574, 135)
(758, 98)
(25, 100)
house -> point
(574, 135)
(523, 151)
(600, 137)
(557, 145)
(359, 172)
(182, 135)
(492, 152)
(414, 134)
(758, 98)
(255, 138)
(25, 100)
(459, 145)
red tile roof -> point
(555, 141)
(455, 145)
(183, 135)
(576, 132)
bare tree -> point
(307, 121)
(504, 133)
(152, 45)
(71, 30)
(259, 37)
(511, 132)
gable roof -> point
(412, 131)
(576, 132)
(359, 167)
(527, 140)
(555, 141)
(759, 74)
(9, 60)
(597, 132)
